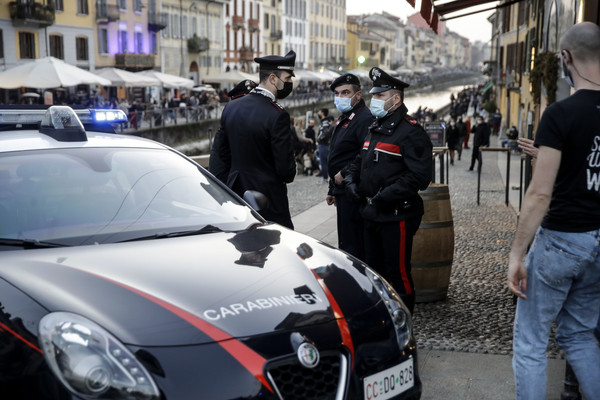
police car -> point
(128, 272)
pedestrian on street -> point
(481, 138)
(393, 165)
(323, 141)
(452, 137)
(560, 279)
(347, 140)
(468, 133)
(462, 134)
(257, 139)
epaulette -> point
(411, 121)
(276, 104)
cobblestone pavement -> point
(477, 315)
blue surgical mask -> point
(377, 108)
(343, 104)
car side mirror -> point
(256, 200)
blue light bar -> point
(109, 116)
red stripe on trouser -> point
(402, 264)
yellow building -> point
(272, 27)
(327, 34)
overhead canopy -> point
(309, 76)
(120, 77)
(431, 10)
(231, 76)
(46, 73)
(168, 81)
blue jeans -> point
(563, 285)
(324, 159)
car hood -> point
(194, 289)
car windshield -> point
(79, 196)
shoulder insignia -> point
(412, 121)
(277, 105)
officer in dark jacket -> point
(217, 165)
(394, 164)
(257, 139)
(346, 142)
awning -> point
(432, 10)
(487, 87)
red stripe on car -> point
(388, 148)
(21, 338)
(339, 316)
(250, 359)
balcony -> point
(237, 22)
(31, 14)
(134, 62)
(275, 35)
(197, 44)
(106, 13)
(246, 54)
(253, 25)
(154, 22)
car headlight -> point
(398, 312)
(91, 362)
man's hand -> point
(527, 146)
(330, 200)
(352, 192)
(517, 277)
(339, 179)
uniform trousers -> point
(349, 226)
(388, 250)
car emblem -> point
(308, 355)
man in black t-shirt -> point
(560, 280)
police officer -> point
(257, 140)
(348, 137)
(394, 164)
(216, 165)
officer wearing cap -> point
(217, 166)
(348, 137)
(257, 141)
(394, 164)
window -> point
(58, 5)
(122, 41)
(164, 20)
(139, 42)
(26, 45)
(175, 25)
(1, 44)
(102, 40)
(81, 47)
(153, 43)
(266, 18)
(184, 27)
(194, 26)
(137, 6)
(82, 7)
(123, 4)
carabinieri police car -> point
(128, 272)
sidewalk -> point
(464, 372)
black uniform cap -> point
(382, 81)
(244, 87)
(346, 79)
(285, 63)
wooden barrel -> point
(433, 246)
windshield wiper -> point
(163, 235)
(29, 243)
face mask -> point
(343, 104)
(285, 92)
(452, 123)
(566, 75)
(377, 108)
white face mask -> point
(343, 104)
(377, 108)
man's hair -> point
(398, 92)
(325, 111)
(263, 74)
(583, 41)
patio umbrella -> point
(231, 76)
(46, 73)
(309, 76)
(167, 80)
(120, 77)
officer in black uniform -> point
(216, 165)
(257, 140)
(346, 142)
(394, 164)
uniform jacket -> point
(256, 141)
(347, 140)
(396, 162)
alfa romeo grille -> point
(326, 381)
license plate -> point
(391, 382)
